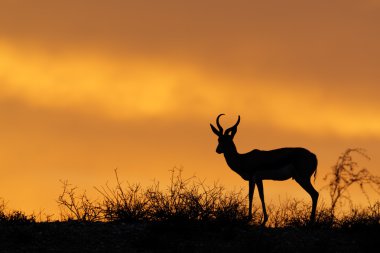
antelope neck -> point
(232, 157)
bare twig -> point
(346, 173)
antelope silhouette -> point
(258, 165)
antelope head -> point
(225, 140)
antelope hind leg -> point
(261, 193)
(251, 184)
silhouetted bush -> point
(345, 173)
(361, 218)
(189, 216)
(184, 200)
(78, 207)
(190, 200)
(124, 204)
(14, 217)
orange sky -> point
(90, 86)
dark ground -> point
(181, 237)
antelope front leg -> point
(261, 193)
(250, 197)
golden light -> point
(135, 87)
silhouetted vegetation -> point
(346, 173)
(187, 216)
(14, 216)
(183, 200)
(192, 200)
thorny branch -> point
(346, 173)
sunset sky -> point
(90, 86)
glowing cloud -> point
(126, 88)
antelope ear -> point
(231, 132)
(215, 130)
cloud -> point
(130, 88)
(117, 87)
(333, 42)
(309, 66)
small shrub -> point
(289, 213)
(361, 218)
(346, 173)
(77, 207)
(14, 217)
(123, 204)
(191, 199)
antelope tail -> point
(316, 168)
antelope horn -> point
(218, 124)
(233, 128)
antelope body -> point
(278, 164)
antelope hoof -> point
(264, 221)
(311, 222)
